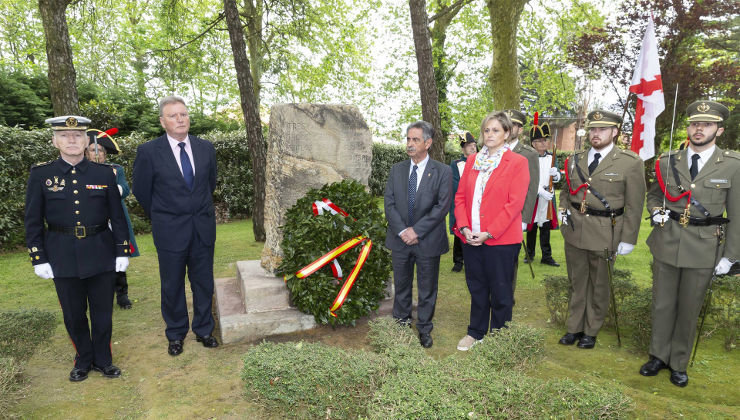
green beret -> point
(707, 111)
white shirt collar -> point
(174, 142)
(421, 165)
(603, 152)
(703, 156)
(512, 145)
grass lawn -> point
(205, 383)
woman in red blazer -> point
(488, 210)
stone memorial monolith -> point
(310, 145)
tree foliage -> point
(698, 49)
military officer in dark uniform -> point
(69, 205)
(600, 208)
(685, 238)
(518, 119)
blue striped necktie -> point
(187, 167)
(412, 194)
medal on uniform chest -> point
(56, 185)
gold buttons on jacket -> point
(77, 212)
(74, 181)
(693, 185)
(77, 201)
(75, 191)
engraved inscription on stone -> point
(310, 145)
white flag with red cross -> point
(648, 86)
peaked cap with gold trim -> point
(68, 122)
(517, 117)
(707, 111)
(601, 118)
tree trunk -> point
(504, 73)
(251, 117)
(253, 15)
(427, 84)
(62, 76)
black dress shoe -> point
(208, 341)
(108, 371)
(549, 261)
(123, 301)
(652, 367)
(570, 338)
(78, 374)
(457, 268)
(175, 347)
(679, 378)
(425, 339)
(586, 342)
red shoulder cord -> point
(567, 180)
(663, 188)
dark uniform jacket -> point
(716, 189)
(63, 196)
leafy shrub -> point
(306, 238)
(624, 287)
(311, 380)
(557, 295)
(21, 331)
(635, 317)
(516, 347)
(725, 310)
(11, 389)
(384, 156)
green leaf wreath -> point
(307, 237)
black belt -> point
(78, 232)
(602, 213)
(696, 221)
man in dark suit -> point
(77, 235)
(174, 180)
(417, 199)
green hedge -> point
(384, 156)
(21, 331)
(20, 149)
(399, 380)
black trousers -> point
(544, 241)
(427, 277)
(197, 259)
(91, 342)
(489, 273)
(457, 252)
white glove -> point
(563, 216)
(660, 218)
(555, 174)
(544, 194)
(524, 227)
(723, 267)
(121, 264)
(43, 271)
(624, 248)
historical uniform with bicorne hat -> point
(545, 205)
(600, 210)
(695, 203)
(70, 202)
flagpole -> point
(670, 143)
